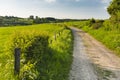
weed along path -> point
(82, 68)
(92, 60)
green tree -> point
(37, 20)
(114, 10)
(114, 7)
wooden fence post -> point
(50, 41)
(17, 61)
(59, 33)
(55, 36)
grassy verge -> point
(58, 64)
(109, 38)
(105, 32)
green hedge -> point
(33, 46)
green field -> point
(43, 57)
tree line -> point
(14, 21)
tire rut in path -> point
(82, 68)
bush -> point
(33, 46)
(96, 25)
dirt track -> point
(82, 68)
(88, 51)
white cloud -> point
(106, 1)
(50, 1)
(105, 7)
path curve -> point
(82, 68)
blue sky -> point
(75, 9)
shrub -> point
(33, 46)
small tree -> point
(91, 21)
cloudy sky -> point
(78, 9)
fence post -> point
(17, 61)
(50, 41)
(55, 36)
(59, 33)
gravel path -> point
(92, 60)
(82, 68)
